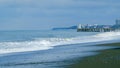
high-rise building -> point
(79, 26)
(118, 22)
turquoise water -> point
(49, 49)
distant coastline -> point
(65, 28)
(92, 28)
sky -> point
(46, 14)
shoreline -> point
(76, 55)
(109, 58)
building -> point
(99, 28)
(118, 22)
(79, 26)
(117, 25)
(94, 28)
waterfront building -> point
(79, 26)
(99, 28)
(118, 22)
(117, 25)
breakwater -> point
(95, 30)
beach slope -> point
(106, 59)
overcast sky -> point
(45, 14)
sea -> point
(50, 48)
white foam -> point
(48, 43)
(109, 34)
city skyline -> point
(46, 14)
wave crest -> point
(48, 43)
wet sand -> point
(109, 58)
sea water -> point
(49, 49)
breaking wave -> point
(49, 43)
